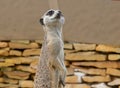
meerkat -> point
(51, 70)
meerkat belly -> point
(55, 48)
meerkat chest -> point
(54, 38)
(55, 47)
(56, 43)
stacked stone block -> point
(88, 65)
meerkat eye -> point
(50, 13)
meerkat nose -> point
(58, 16)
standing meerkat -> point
(51, 70)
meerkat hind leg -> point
(55, 77)
(60, 67)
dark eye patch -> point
(50, 13)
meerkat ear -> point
(41, 21)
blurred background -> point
(92, 21)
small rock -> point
(15, 53)
(114, 72)
(77, 86)
(4, 51)
(26, 83)
(3, 44)
(1, 79)
(22, 45)
(96, 78)
(70, 71)
(81, 57)
(34, 64)
(30, 52)
(67, 63)
(84, 47)
(105, 64)
(92, 71)
(68, 46)
(10, 81)
(4, 64)
(39, 41)
(113, 57)
(2, 85)
(100, 85)
(26, 68)
(107, 48)
(114, 82)
(17, 74)
(72, 79)
(20, 41)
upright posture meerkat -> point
(51, 70)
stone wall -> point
(88, 65)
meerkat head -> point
(52, 18)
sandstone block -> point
(13, 60)
(85, 53)
(15, 53)
(68, 46)
(106, 64)
(17, 74)
(39, 41)
(30, 52)
(114, 82)
(1, 80)
(20, 60)
(1, 73)
(4, 51)
(96, 78)
(79, 46)
(70, 71)
(34, 64)
(92, 71)
(68, 51)
(26, 83)
(3, 44)
(114, 72)
(25, 68)
(72, 79)
(28, 60)
(107, 48)
(67, 63)
(77, 86)
(20, 41)
(100, 85)
(7, 69)
(3, 85)
(10, 81)
(79, 75)
(74, 66)
(3, 64)
(22, 45)
(113, 57)
(82, 57)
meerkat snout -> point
(58, 16)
